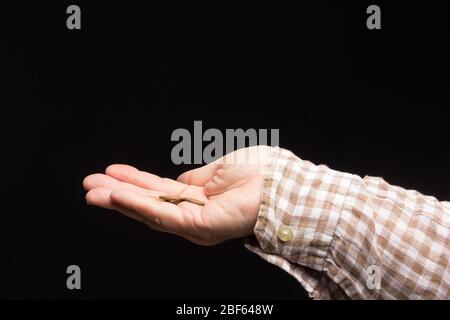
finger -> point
(128, 174)
(226, 178)
(244, 157)
(100, 197)
(166, 215)
(102, 180)
(199, 176)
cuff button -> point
(285, 233)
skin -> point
(230, 188)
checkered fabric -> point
(352, 237)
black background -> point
(361, 101)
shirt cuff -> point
(300, 210)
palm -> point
(230, 193)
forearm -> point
(344, 227)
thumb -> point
(199, 176)
(229, 177)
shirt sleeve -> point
(346, 237)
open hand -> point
(230, 188)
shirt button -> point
(285, 233)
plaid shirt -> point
(346, 237)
